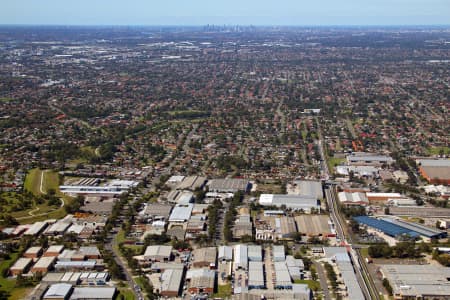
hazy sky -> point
(245, 12)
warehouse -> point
(315, 225)
(171, 282)
(370, 159)
(75, 265)
(225, 253)
(36, 228)
(58, 228)
(382, 198)
(420, 229)
(278, 253)
(181, 213)
(411, 281)
(204, 257)
(33, 252)
(255, 275)
(155, 211)
(254, 253)
(340, 256)
(93, 293)
(201, 281)
(240, 257)
(420, 211)
(388, 228)
(308, 188)
(294, 202)
(229, 185)
(301, 291)
(44, 264)
(21, 266)
(295, 267)
(285, 227)
(349, 199)
(282, 277)
(114, 188)
(60, 291)
(90, 252)
(54, 250)
(158, 253)
(435, 171)
(192, 183)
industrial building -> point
(418, 281)
(21, 266)
(382, 198)
(225, 253)
(282, 277)
(229, 185)
(395, 227)
(33, 252)
(181, 213)
(54, 250)
(158, 253)
(58, 291)
(369, 159)
(44, 264)
(254, 253)
(171, 280)
(191, 183)
(294, 202)
(388, 228)
(255, 275)
(204, 257)
(240, 257)
(201, 281)
(315, 225)
(64, 266)
(349, 199)
(36, 229)
(340, 257)
(113, 188)
(93, 293)
(435, 171)
(278, 253)
(311, 188)
(295, 267)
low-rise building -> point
(44, 264)
(171, 280)
(201, 281)
(33, 252)
(159, 253)
(21, 266)
(204, 257)
(58, 291)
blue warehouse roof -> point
(388, 228)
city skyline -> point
(200, 12)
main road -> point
(362, 274)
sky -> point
(225, 12)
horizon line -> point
(226, 25)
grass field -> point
(127, 293)
(332, 162)
(438, 150)
(312, 284)
(223, 291)
(50, 180)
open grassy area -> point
(127, 293)
(333, 161)
(223, 291)
(438, 150)
(50, 180)
(312, 284)
(33, 181)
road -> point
(137, 292)
(362, 275)
(323, 280)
